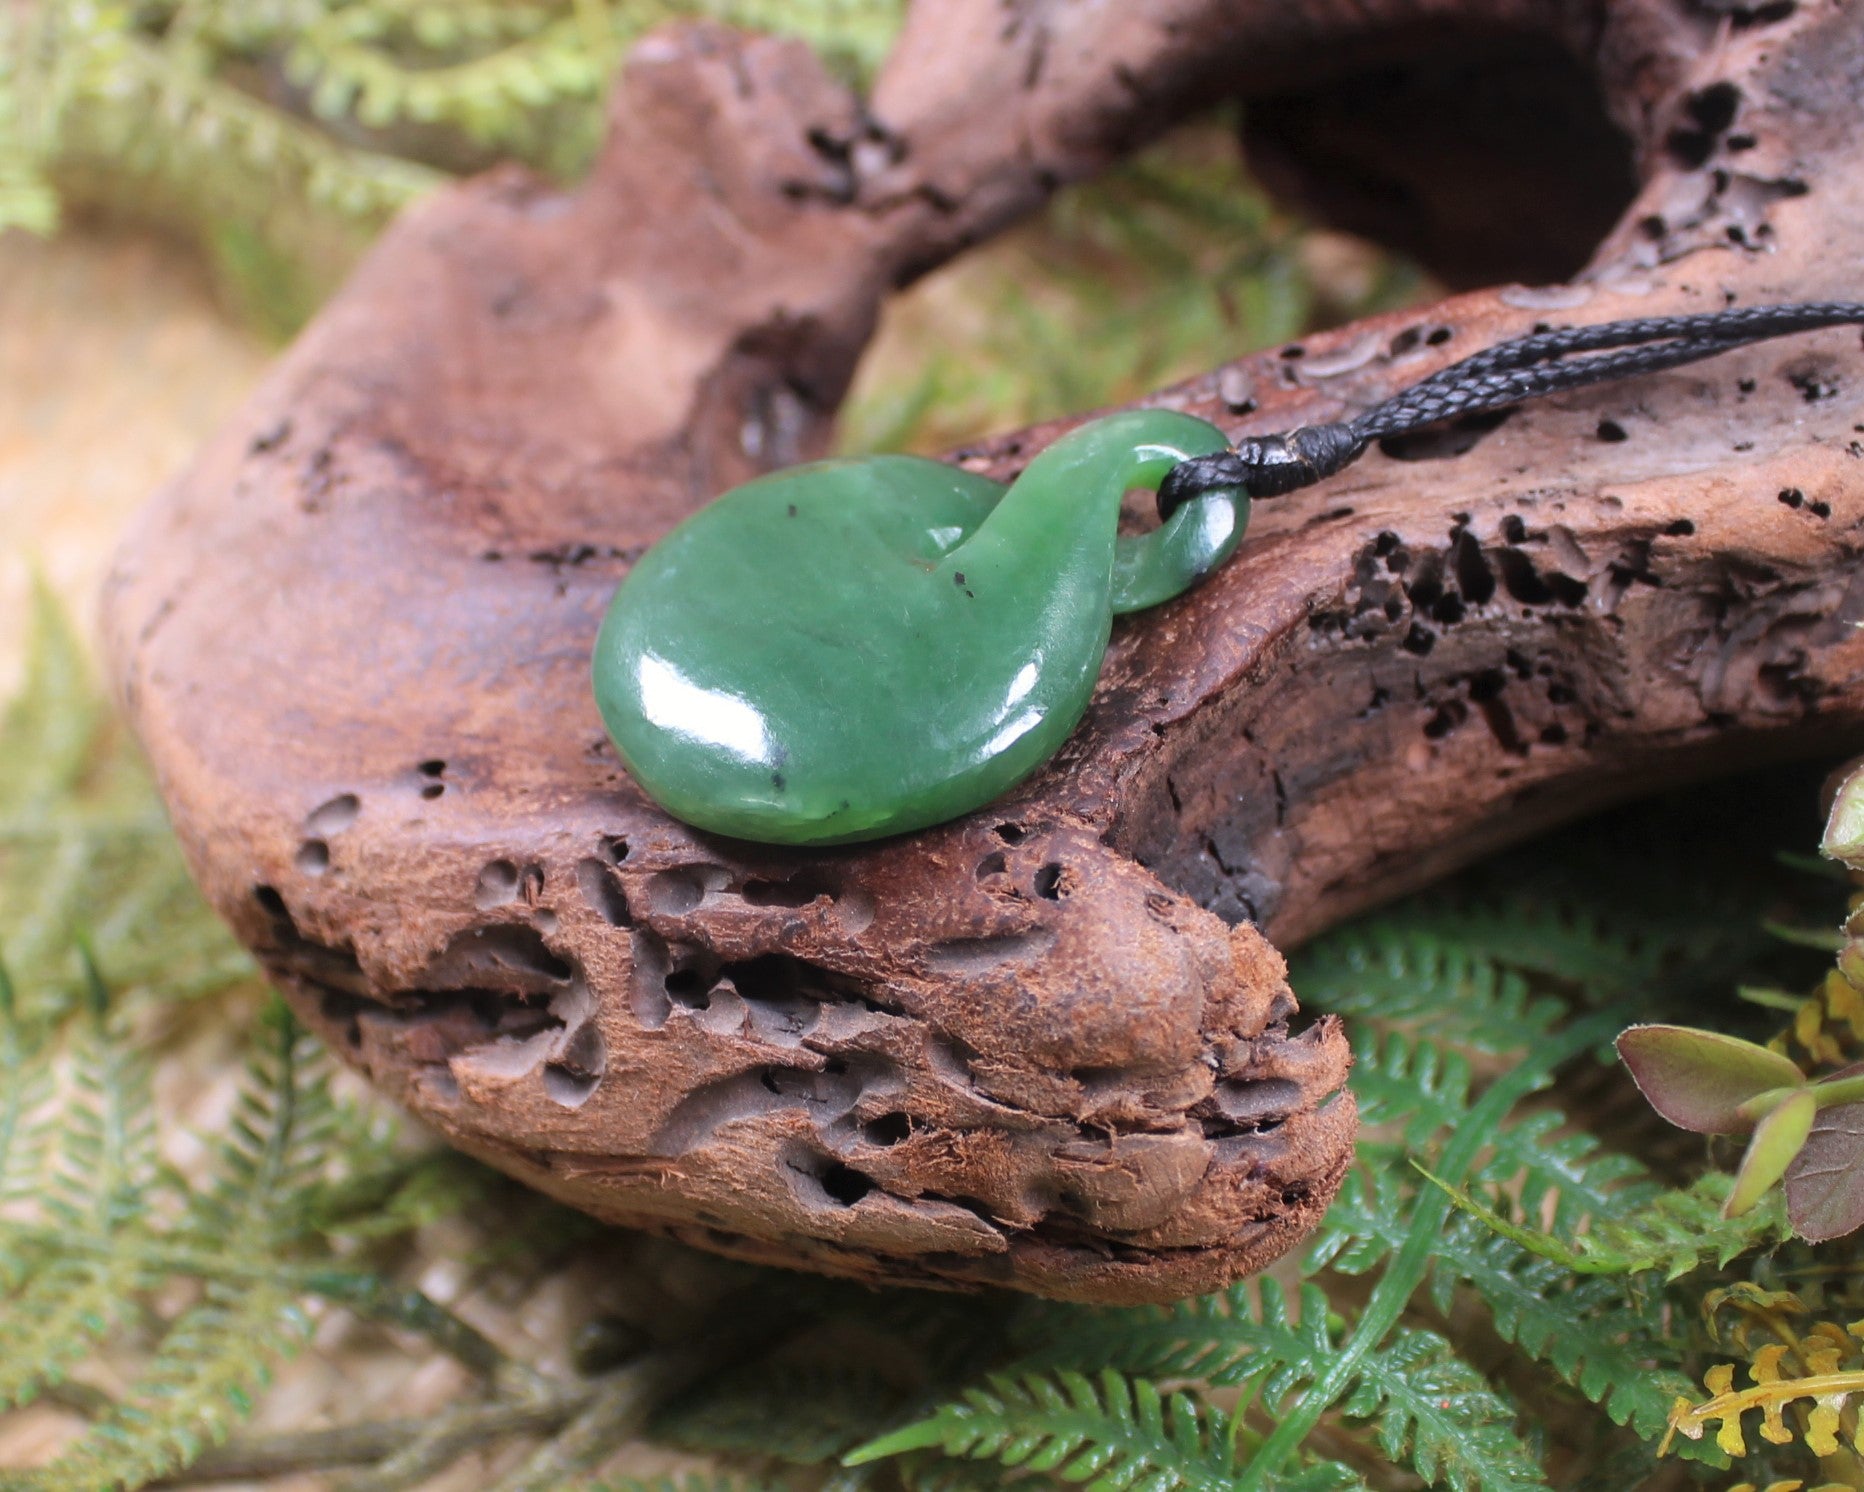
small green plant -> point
(1809, 1131)
(1806, 1129)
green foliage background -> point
(176, 1244)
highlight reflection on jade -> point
(857, 648)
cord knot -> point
(1263, 465)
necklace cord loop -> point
(1509, 373)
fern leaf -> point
(84, 846)
(1573, 940)
(1434, 1410)
(1425, 1404)
(1112, 1432)
(276, 1144)
(206, 1378)
(65, 1309)
(1320, 1476)
(1591, 1332)
(1400, 973)
(97, 1185)
(1227, 1339)
(853, 34)
(1649, 906)
(25, 1084)
(217, 1356)
(26, 198)
(350, 63)
(1425, 1089)
(1671, 1233)
(51, 724)
(1595, 1335)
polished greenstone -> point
(856, 648)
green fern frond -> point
(1587, 1332)
(1424, 1404)
(1435, 1411)
(1603, 1340)
(277, 1141)
(853, 35)
(1320, 1476)
(1411, 1090)
(25, 1085)
(1575, 940)
(206, 1378)
(1249, 1335)
(489, 72)
(280, 138)
(101, 1231)
(84, 845)
(1111, 1432)
(50, 726)
(217, 1355)
(1671, 1233)
(97, 1182)
(26, 198)
(1595, 1335)
(1423, 1091)
(1400, 973)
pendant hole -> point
(1048, 881)
(1012, 834)
(1139, 511)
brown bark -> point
(1047, 1046)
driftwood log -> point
(1051, 1046)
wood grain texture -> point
(1050, 1046)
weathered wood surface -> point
(1050, 1046)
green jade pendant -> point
(857, 648)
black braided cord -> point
(1530, 367)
